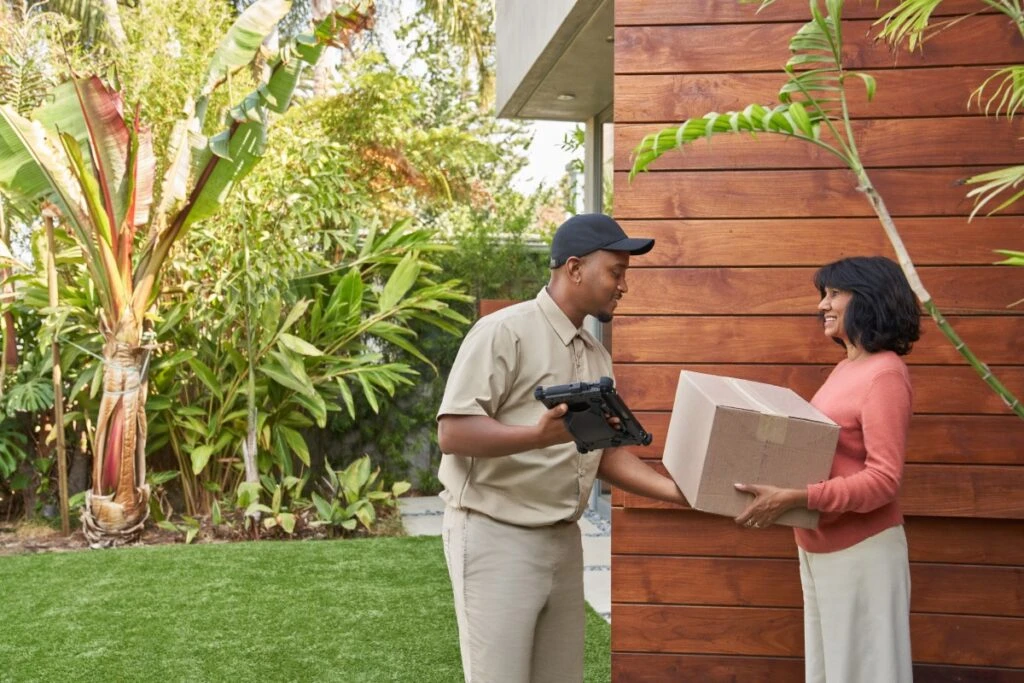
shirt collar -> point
(559, 321)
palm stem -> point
(903, 257)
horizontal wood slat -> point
(783, 291)
(813, 242)
(936, 638)
(658, 668)
(928, 490)
(741, 582)
(708, 630)
(654, 12)
(798, 339)
(765, 47)
(798, 194)
(937, 389)
(930, 539)
(881, 142)
(628, 667)
(947, 439)
(943, 91)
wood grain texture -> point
(744, 582)
(939, 240)
(937, 388)
(902, 93)
(942, 439)
(795, 194)
(881, 142)
(797, 339)
(928, 491)
(937, 638)
(630, 667)
(790, 291)
(765, 47)
(709, 630)
(685, 532)
(655, 12)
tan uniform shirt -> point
(502, 360)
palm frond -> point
(1008, 97)
(1013, 258)
(91, 16)
(995, 184)
(907, 21)
(815, 64)
(461, 21)
(792, 120)
(26, 75)
(812, 97)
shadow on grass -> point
(357, 610)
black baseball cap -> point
(588, 232)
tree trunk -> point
(115, 29)
(118, 504)
(60, 452)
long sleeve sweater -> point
(870, 399)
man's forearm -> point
(623, 469)
(479, 436)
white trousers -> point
(857, 612)
(518, 599)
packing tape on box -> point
(771, 425)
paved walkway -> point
(422, 517)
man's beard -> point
(604, 317)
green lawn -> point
(358, 610)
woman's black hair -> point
(883, 313)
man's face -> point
(603, 282)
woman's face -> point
(832, 309)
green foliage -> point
(13, 446)
(170, 44)
(285, 498)
(314, 349)
(813, 100)
(911, 21)
(352, 495)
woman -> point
(854, 568)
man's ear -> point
(573, 266)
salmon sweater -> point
(869, 398)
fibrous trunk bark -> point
(118, 504)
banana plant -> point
(96, 165)
(814, 108)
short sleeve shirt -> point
(505, 356)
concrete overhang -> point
(554, 58)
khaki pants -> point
(518, 599)
(857, 612)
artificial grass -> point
(376, 609)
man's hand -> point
(552, 426)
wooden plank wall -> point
(741, 226)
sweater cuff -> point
(814, 495)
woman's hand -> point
(768, 504)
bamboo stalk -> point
(58, 387)
(986, 374)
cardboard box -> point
(725, 431)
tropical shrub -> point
(352, 496)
